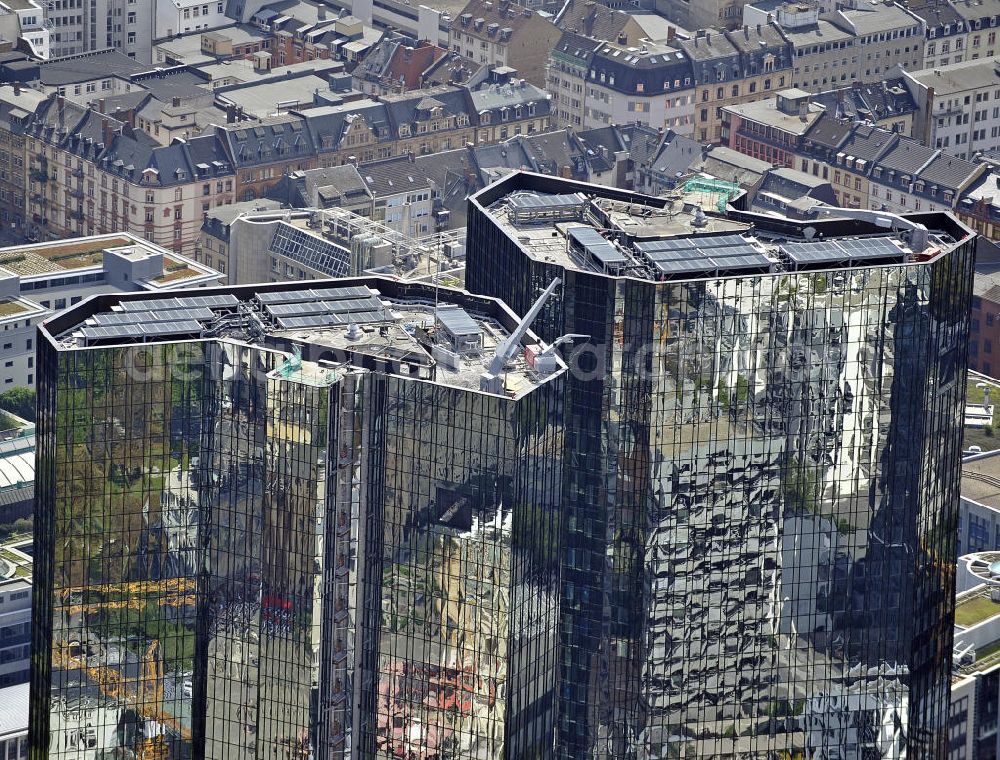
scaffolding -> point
(725, 190)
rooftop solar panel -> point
(137, 317)
(717, 241)
(870, 247)
(706, 265)
(312, 294)
(832, 251)
(328, 319)
(166, 304)
(319, 307)
(158, 329)
(594, 244)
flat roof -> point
(14, 710)
(86, 253)
(766, 112)
(958, 77)
(18, 308)
(683, 236)
(974, 607)
(981, 474)
(17, 462)
(368, 322)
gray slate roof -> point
(85, 67)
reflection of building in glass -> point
(278, 522)
(763, 431)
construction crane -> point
(491, 381)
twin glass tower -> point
(287, 522)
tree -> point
(19, 401)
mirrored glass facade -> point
(761, 492)
(244, 554)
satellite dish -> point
(809, 232)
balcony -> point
(38, 175)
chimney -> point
(100, 105)
(231, 114)
(410, 155)
(622, 38)
(106, 132)
(321, 12)
(17, 88)
(175, 102)
(803, 110)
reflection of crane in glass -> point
(150, 698)
(145, 697)
(145, 694)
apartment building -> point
(32, 18)
(984, 342)
(858, 41)
(825, 55)
(958, 106)
(736, 67)
(567, 77)
(945, 32)
(176, 17)
(770, 130)
(910, 176)
(90, 173)
(981, 19)
(844, 152)
(79, 26)
(979, 207)
(425, 121)
(715, 14)
(17, 104)
(650, 84)
(503, 33)
(887, 36)
(264, 151)
(887, 104)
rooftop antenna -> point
(491, 381)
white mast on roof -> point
(491, 381)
